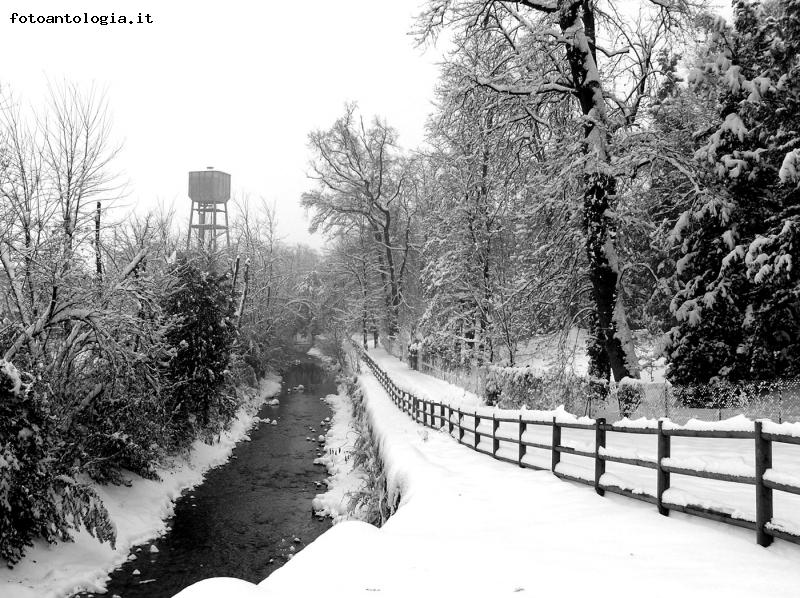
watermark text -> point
(81, 18)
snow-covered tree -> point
(738, 309)
(496, 264)
(361, 181)
(597, 61)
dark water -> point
(244, 519)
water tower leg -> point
(189, 234)
(201, 220)
(227, 231)
(214, 224)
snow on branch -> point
(540, 88)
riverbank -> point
(469, 525)
(139, 512)
(338, 458)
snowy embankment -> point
(139, 512)
(468, 525)
(344, 480)
(719, 455)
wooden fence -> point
(440, 415)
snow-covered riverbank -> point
(468, 525)
(139, 512)
(344, 479)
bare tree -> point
(361, 180)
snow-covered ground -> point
(344, 479)
(469, 525)
(734, 456)
(543, 352)
(138, 511)
(422, 385)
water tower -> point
(209, 191)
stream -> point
(249, 516)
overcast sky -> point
(236, 84)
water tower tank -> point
(209, 186)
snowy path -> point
(472, 526)
(730, 455)
(420, 384)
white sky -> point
(232, 84)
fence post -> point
(450, 420)
(763, 494)
(555, 455)
(495, 442)
(599, 464)
(520, 447)
(475, 436)
(414, 401)
(460, 426)
(441, 415)
(662, 480)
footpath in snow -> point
(468, 525)
(139, 512)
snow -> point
(641, 423)
(737, 466)
(685, 499)
(11, 376)
(576, 471)
(786, 428)
(780, 477)
(139, 513)
(628, 453)
(544, 353)
(343, 480)
(737, 423)
(790, 167)
(732, 496)
(316, 352)
(468, 525)
(431, 389)
(328, 362)
(784, 526)
(608, 479)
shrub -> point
(201, 339)
(38, 497)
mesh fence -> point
(778, 400)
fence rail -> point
(439, 415)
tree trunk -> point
(599, 193)
(604, 275)
(394, 314)
(98, 260)
(387, 272)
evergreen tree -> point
(201, 338)
(738, 308)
